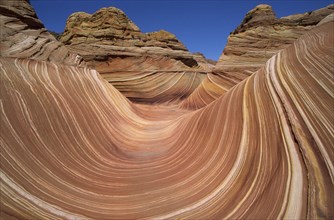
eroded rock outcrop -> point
(203, 62)
(109, 33)
(73, 147)
(151, 80)
(140, 65)
(24, 36)
(257, 38)
(261, 35)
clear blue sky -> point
(201, 25)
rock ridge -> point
(23, 35)
(109, 33)
(260, 36)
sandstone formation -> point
(261, 35)
(151, 80)
(24, 36)
(109, 33)
(257, 38)
(211, 88)
(203, 62)
(73, 147)
(326, 19)
(140, 65)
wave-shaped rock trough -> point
(151, 80)
(74, 147)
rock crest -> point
(261, 35)
(109, 33)
(261, 15)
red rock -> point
(109, 33)
(73, 147)
(260, 36)
(24, 36)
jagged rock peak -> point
(111, 26)
(108, 21)
(261, 35)
(263, 15)
(162, 35)
(109, 33)
(262, 9)
(259, 16)
(103, 18)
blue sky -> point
(201, 25)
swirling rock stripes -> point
(234, 68)
(260, 36)
(155, 86)
(151, 80)
(23, 36)
(99, 170)
(211, 88)
(72, 146)
(309, 102)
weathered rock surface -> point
(326, 19)
(140, 65)
(261, 35)
(109, 33)
(151, 80)
(73, 147)
(203, 62)
(258, 37)
(24, 36)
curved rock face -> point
(211, 88)
(326, 19)
(140, 65)
(74, 147)
(260, 36)
(151, 80)
(110, 33)
(24, 36)
(203, 62)
(257, 38)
